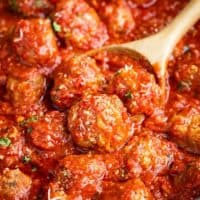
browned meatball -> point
(115, 167)
(25, 85)
(79, 177)
(4, 54)
(185, 129)
(100, 122)
(48, 141)
(6, 108)
(79, 25)
(34, 42)
(14, 185)
(81, 76)
(187, 183)
(48, 132)
(119, 19)
(11, 143)
(137, 88)
(187, 77)
(148, 156)
(7, 22)
(130, 190)
(30, 7)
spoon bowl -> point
(158, 47)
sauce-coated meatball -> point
(25, 85)
(48, 140)
(34, 42)
(137, 88)
(4, 54)
(130, 190)
(11, 143)
(149, 156)
(187, 183)
(187, 77)
(81, 76)
(30, 7)
(100, 122)
(119, 19)
(48, 132)
(80, 176)
(14, 185)
(79, 25)
(115, 167)
(185, 129)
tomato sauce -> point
(74, 127)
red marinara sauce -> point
(92, 128)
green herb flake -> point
(183, 85)
(5, 142)
(26, 159)
(13, 4)
(22, 123)
(56, 27)
(128, 95)
(33, 118)
(39, 3)
(117, 73)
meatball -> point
(148, 156)
(34, 49)
(81, 76)
(48, 132)
(30, 7)
(119, 19)
(79, 177)
(187, 183)
(48, 141)
(79, 25)
(100, 122)
(11, 143)
(4, 54)
(185, 129)
(25, 85)
(133, 189)
(187, 77)
(115, 167)
(14, 185)
(7, 22)
(6, 108)
(137, 88)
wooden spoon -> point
(158, 47)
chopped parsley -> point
(5, 142)
(13, 4)
(39, 3)
(26, 159)
(33, 118)
(128, 95)
(117, 73)
(56, 27)
(183, 85)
